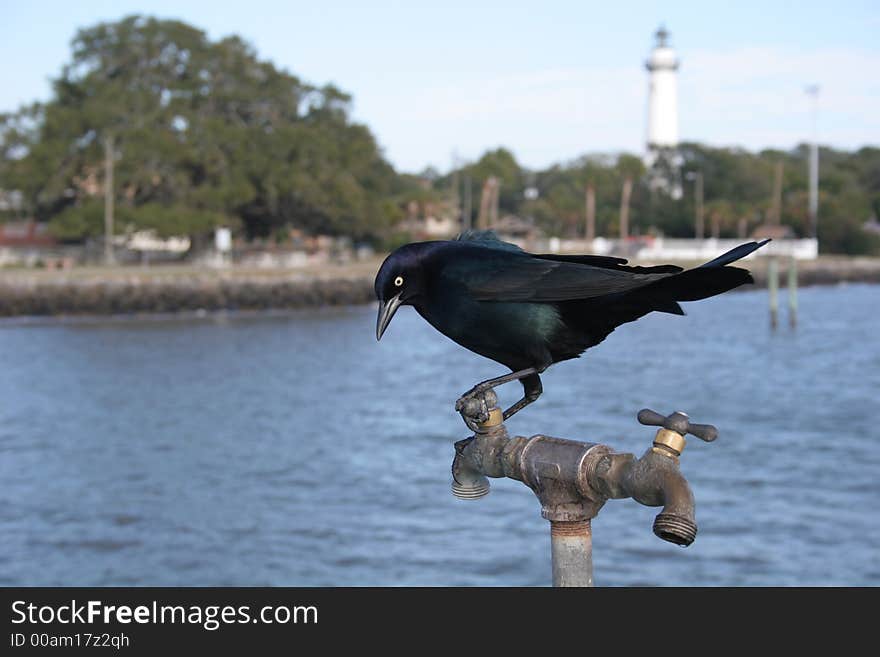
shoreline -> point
(170, 290)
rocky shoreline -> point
(137, 295)
(137, 291)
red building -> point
(25, 233)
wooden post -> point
(591, 213)
(108, 201)
(792, 292)
(773, 286)
(624, 207)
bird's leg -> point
(532, 390)
(478, 390)
(488, 384)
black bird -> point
(528, 311)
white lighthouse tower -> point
(662, 158)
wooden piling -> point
(773, 287)
(792, 292)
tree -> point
(501, 164)
(205, 134)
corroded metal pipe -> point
(571, 551)
(574, 479)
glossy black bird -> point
(528, 311)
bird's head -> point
(400, 282)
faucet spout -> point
(656, 480)
(468, 482)
(653, 480)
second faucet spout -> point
(653, 480)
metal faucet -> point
(573, 479)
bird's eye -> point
(398, 281)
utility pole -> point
(109, 258)
(485, 201)
(493, 217)
(488, 216)
(697, 177)
(776, 213)
(456, 199)
(466, 218)
(813, 92)
(699, 192)
(591, 212)
(624, 207)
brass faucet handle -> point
(678, 422)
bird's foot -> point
(475, 404)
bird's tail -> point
(734, 254)
(702, 282)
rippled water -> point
(295, 450)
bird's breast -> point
(514, 334)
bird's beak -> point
(386, 312)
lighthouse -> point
(662, 158)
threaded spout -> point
(468, 483)
(675, 529)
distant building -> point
(148, 241)
(773, 232)
(28, 233)
(11, 200)
(516, 229)
(872, 226)
(430, 227)
(662, 158)
(430, 220)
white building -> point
(662, 157)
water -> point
(294, 450)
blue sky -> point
(550, 80)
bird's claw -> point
(473, 408)
(475, 404)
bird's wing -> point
(500, 276)
(609, 262)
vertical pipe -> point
(773, 286)
(571, 546)
(792, 292)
